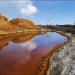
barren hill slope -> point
(25, 24)
(5, 25)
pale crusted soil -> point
(63, 62)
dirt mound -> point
(5, 25)
(23, 23)
(16, 25)
(3, 18)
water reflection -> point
(22, 53)
(4, 41)
(17, 38)
(24, 37)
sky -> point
(40, 11)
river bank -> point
(44, 62)
(63, 62)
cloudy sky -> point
(40, 11)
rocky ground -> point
(63, 62)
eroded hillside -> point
(16, 25)
(24, 24)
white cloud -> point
(28, 11)
(29, 45)
(25, 8)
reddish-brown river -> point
(21, 54)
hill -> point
(5, 25)
(24, 24)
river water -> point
(20, 55)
